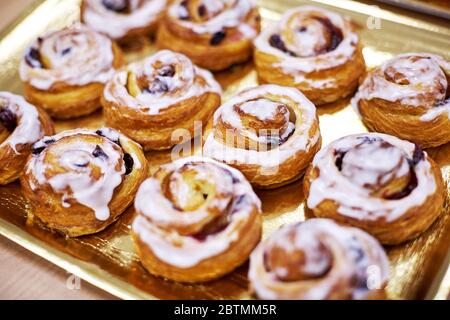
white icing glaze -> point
(263, 109)
(155, 212)
(77, 183)
(182, 86)
(300, 67)
(305, 113)
(426, 77)
(88, 59)
(225, 14)
(334, 185)
(29, 128)
(367, 164)
(343, 243)
(116, 25)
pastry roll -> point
(318, 260)
(408, 97)
(386, 186)
(269, 133)
(21, 125)
(123, 20)
(153, 98)
(314, 50)
(215, 34)
(197, 220)
(80, 181)
(64, 72)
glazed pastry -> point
(122, 20)
(153, 98)
(64, 72)
(215, 34)
(408, 97)
(314, 50)
(197, 220)
(386, 186)
(80, 181)
(318, 260)
(269, 133)
(21, 125)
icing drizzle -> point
(118, 17)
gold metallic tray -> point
(439, 8)
(108, 259)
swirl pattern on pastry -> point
(408, 96)
(386, 186)
(80, 181)
(314, 50)
(154, 97)
(21, 125)
(65, 71)
(215, 34)
(270, 133)
(317, 260)
(122, 19)
(197, 219)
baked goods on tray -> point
(197, 220)
(80, 181)
(314, 50)
(123, 20)
(64, 71)
(151, 99)
(215, 34)
(408, 97)
(319, 260)
(389, 187)
(21, 125)
(270, 133)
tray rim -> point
(439, 289)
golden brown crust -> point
(218, 232)
(382, 111)
(63, 100)
(408, 224)
(317, 260)
(234, 47)
(320, 75)
(61, 210)
(268, 163)
(13, 161)
(191, 99)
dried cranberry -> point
(202, 10)
(276, 42)
(116, 5)
(167, 71)
(8, 119)
(33, 58)
(99, 153)
(157, 86)
(129, 163)
(217, 38)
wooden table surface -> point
(23, 275)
